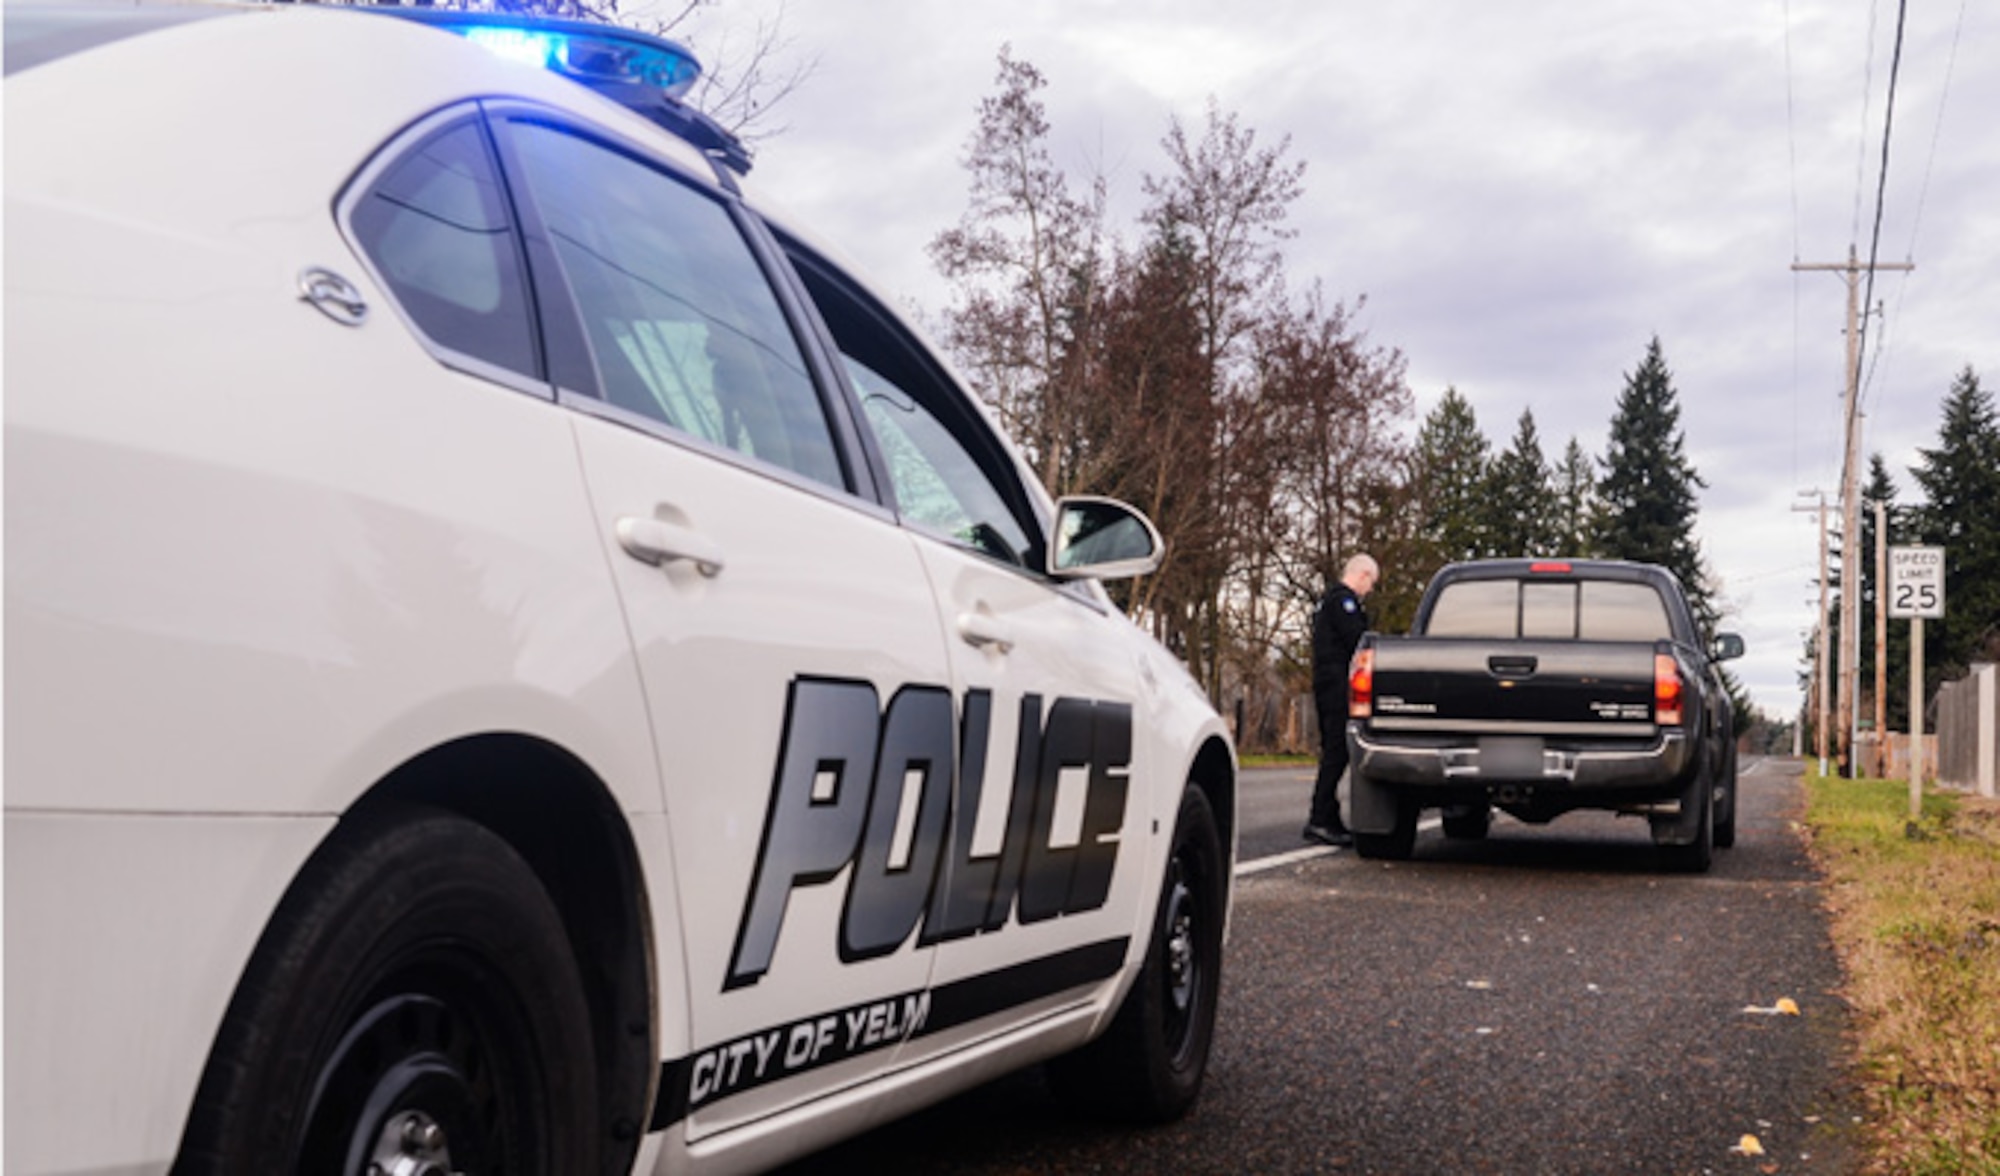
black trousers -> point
(1332, 761)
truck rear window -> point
(1586, 610)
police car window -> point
(682, 321)
(929, 439)
(938, 485)
(437, 228)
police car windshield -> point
(37, 33)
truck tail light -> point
(1667, 690)
(1361, 685)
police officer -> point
(1338, 624)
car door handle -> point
(1512, 667)
(981, 629)
(656, 541)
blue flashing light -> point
(647, 74)
(594, 55)
(521, 45)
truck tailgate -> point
(1532, 687)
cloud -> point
(1525, 193)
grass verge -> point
(1278, 761)
(1916, 920)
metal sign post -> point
(1916, 592)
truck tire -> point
(1697, 855)
(1398, 843)
(413, 1006)
(1148, 1066)
(1467, 822)
(1725, 815)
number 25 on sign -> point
(1916, 582)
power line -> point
(1861, 138)
(1792, 153)
(1792, 131)
(1882, 175)
(1937, 133)
(1923, 197)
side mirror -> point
(1727, 646)
(1102, 539)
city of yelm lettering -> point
(765, 1056)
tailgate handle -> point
(1511, 666)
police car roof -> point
(646, 74)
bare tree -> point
(1262, 436)
(1026, 260)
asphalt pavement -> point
(1547, 1001)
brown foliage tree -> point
(1262, 435)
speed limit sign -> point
(1916, 582)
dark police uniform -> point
(1338, 624)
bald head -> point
(1360, 573)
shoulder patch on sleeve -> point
(1348, 604)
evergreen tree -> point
(1648, 491)
(1451, 465)
(1575, 488)
(1519, 501)
(1961, 513)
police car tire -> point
(1148, 1066)
(413, 1000)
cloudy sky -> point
(1525, 193)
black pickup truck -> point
(1539, 687)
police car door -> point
(1041, 884)
(784, 631)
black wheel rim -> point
(1185, 975)
(424, 1082)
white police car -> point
(516, 661)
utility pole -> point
(1850, 476)
(1882, 634)
(1820, 668)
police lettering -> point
(848, 779)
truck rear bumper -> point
(1536, 779)
(1465, 765)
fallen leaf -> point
(1786, 1007)
(1748, 1146)
(1482, 985)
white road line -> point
(1280, 860)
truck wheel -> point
(412, 1007)
(1467, 822)
(1696, 856)
(1148, 1066)
(1725, 815)
(1395, 845)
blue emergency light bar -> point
(649, 74)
